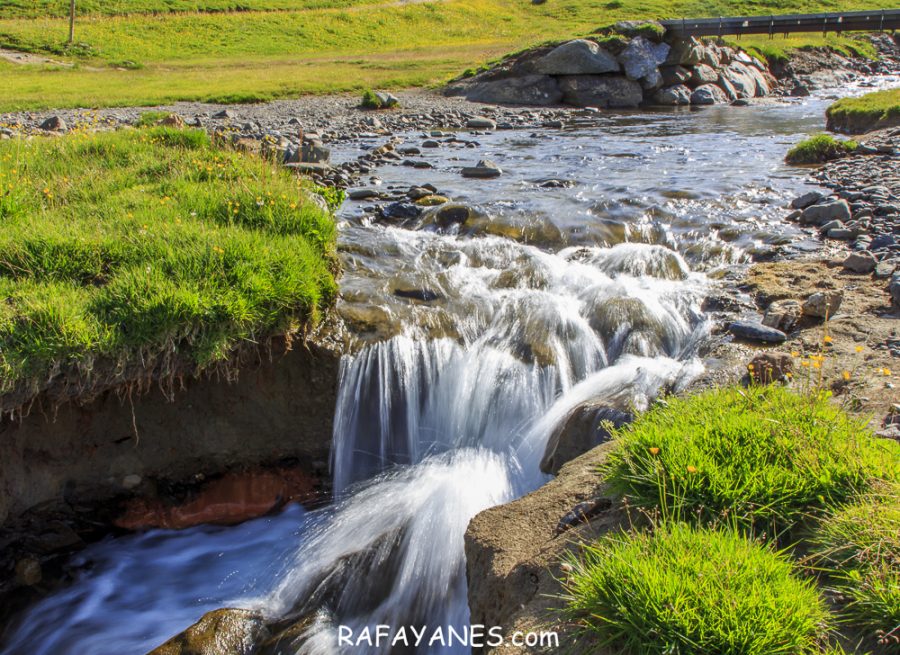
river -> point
(587, 287)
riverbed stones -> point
(485, 168)
(860, 262)
(615, 92)
(755, 331)
(362, 194)
(538, 90)
(586, 427)
(578, 57)
(783, 315)
(481, 123)
(54, 124)
(832, 209)
(679, 94)
(823, 304)
(708, 94)
(220, 632)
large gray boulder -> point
(685, 52)
(526, 90)
(833, 209)
(678, 94)
(605, 92)
(642, 58)
(704, 74)
(579, 57)
(673, 75)
(748, 82)
(708, 94)
(586, 427)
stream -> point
(581, 276)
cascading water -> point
(447, 411)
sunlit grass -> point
(149, 249)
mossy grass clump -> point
(871, 111)
(819, 149)
(762, 458)
(858, 548)
(149, 251)
(687, 589)
(373, 100)
(151, 118)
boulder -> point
(807, 199)
(586, 427)
(833, 209)
(314, 152)
(704, 74)
(606, 92)
(726, 86)
(642, 58)
(362, 194)
(539, 90)
(753, 331)
(578, 57)
(860, 262)
(708, 94)
(673, 75)
(767, 368)
(894, 288)
(678, 94)
(387, 100)
(783, 315)
(225, 114)
(823, 304)
(483, 169)
(481, 123)
(685, 52)
(220, 632)
(748, 82)
(54, 124)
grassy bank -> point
(868, 112)
(149, 250)
(818, 149)
(143, 52)
(766, 523)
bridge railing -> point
(878, 20)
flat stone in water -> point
(753, 331)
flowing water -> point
(546, 298)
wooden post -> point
(71, 22)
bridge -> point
(876, 20)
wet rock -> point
(432, 200)
(783, 315)
(767, 368)
(28, 572)
(578, 57)
(860, 262)
(481, 123)
(605, 92)
(220, 632)
(483, 169)
(680, 94)
(451, 214)
(423, 295)
(708, 94)
(538, 90)
(823, 304)
(417, 192)
(400, 211)
(753, 331)
(642, 58)
(54, 124)
(585, 427)
(362, 194)
(835, 209)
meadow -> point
(146, 52)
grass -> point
(139, 52)
(761, 458)
(149, 251)
(818, 149)
(858, 546)
(686, 590)
(868, 112)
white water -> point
(451, 414)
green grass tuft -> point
(686, 590)
(818, 149)
(149, 250)
(868, 112)
(764, 457)
(150, 118)
(859, 548)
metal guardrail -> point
(878, 20)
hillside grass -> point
(145, 52)
(151, 251)
(868, 112)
